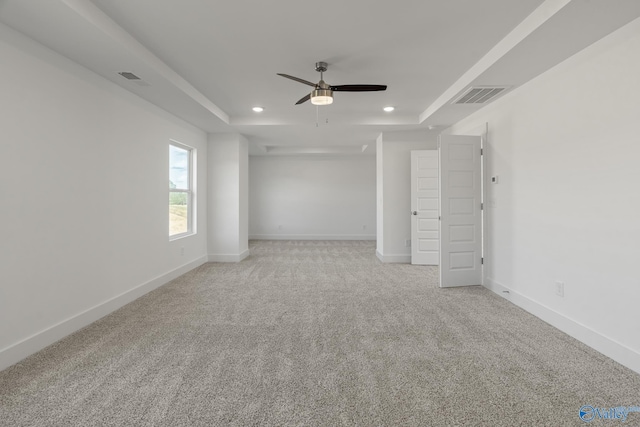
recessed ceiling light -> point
(388, 109)
(258, 109)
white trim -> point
(394, 258)
(610, 348)
(28, 346)
(312, 237)
(228, 257)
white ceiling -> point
(210, 62)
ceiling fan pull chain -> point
(317, 108)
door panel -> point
(425, 227)
(460, 211)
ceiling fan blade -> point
(358, 88)
(297, 79)
(304, 99)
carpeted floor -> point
(315, 334)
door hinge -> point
(481, 151)
(481, 206)
(481, 260)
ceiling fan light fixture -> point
(322, 97)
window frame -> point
(190, 192)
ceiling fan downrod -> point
(321, 67)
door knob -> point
(414, 213)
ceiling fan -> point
(322, 94)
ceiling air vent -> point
(129, 76)
(135, 79)
(479, 95)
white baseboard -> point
(610, 348)
(228, 257)
(394, 258)
(312, 237)
(16, 352)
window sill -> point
(181, 236)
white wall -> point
(566, 148)
(83, 182)
(393, 150)
(228, 169)
(312, 197)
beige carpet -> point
(315, 334)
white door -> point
(425, 233)
(460, 211)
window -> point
(180, 190)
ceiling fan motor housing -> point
(321, 67)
